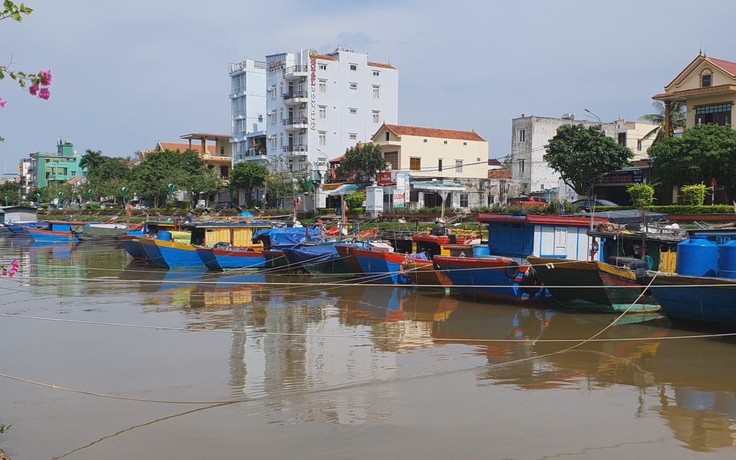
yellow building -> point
(707, 86)
(433, 153)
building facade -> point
(531, 134)
(318, 105)
(248, 110)
(53, 169)
(707, 87)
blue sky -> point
(128, 74)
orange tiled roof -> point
(727, 66)
(379, 64)
(399, 130)
(174, 146)
(325, 57)
(504, 173)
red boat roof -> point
(540, 219)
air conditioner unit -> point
(303, 105)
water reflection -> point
(314, 351)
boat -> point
(174, 250)
(423, 273)
(95, 230)
(274, 239)
(380, 264)
(222, 256)
(129, 240)
(595, 286)
(56, 232)
(315, 258)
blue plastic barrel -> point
(697, 257)
(481, 250)
(727, 260)
(163, 235)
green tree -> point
(9, 194)
(693, 195)
(108, 176)
(90, 160)
(678, 118)
(703, 153)
(583, 156)
(642, 195)
(361, 163)
(159, 169)
(248, 175)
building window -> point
(522, 135)
(388, 135)
(323, 86)
(323, 138)
(415, 163)
(353, 110)
(376, 92)
(638, 145)
(353, 66)
(353, 136)
(458, 166)
(392, 160)
(376, 73)
(622, 139)
(706, 79)
(521, 166)
(376, 116)
(323, 67)
(439, 164)
(273, 92)
(353, 86)
(719, 114)
(463, 200)
(323, 112)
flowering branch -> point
(9, 272)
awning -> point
(344, 189)
(438, 186)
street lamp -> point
(595, 116)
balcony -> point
(295, 149)
(296, 97)
(295, 72)
(295, 123)
(255, 153)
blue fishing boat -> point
(316, 258)
(223, 257)
(275, 239)
(129, 240)
(56, 232)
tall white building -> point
(248, 108)
(318, 105)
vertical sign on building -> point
(402, 186)
(313, 88)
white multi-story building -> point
(318, 106)
(248, 108)
(531, 134)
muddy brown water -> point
(107, 358)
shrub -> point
(693, 195)
(642, 195)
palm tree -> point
(678, 117)
(90, 160)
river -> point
(105, 358)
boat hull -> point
(423, 273)
(592, 285)
(170, 254)
(224, 259)
(381, 267)
(51, 236)
(489, 278)
(319, 259)
(703, 301)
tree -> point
(678, 119)
(108, 176)
(90, 160)
(703, 153)
(248, 175)
(583, 156)
(39, 82)
(187, 171)
(9, 194)
(361, 163)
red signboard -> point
(384, 178)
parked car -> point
(527, 201)
(586, 204)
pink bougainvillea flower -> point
(2, 103)
(14, 266)
(33, 89)
(44, 94)
(45, 77)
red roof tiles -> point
(501, 174)
(727, 66)
(378, 64)
(399, 130)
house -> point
(53, 169)
(214, 149)
(707, 87)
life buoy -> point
(511, 270)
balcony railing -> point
(296, 71)
(296, 95)
(295, 148)
(295, 122)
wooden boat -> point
(423, 273)
(56, 232)
(223, 257)
(315, 258)
(705, 301)
(129, 240)
(593, 285)
(380, 264)
(490, 278)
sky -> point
(129, 74)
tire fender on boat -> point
(511, 270)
